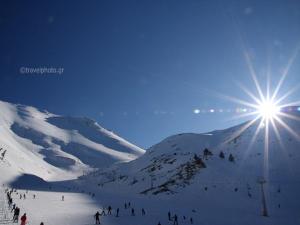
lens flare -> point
(268, 110)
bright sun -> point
(268, 110)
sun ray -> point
(241, 130)
(285, 72)
(269, 78)
(258, 128)
(289, 116)
(266, 151)
(253, 75)
(237, 100)
(244, 115)
(281, 143)
(290, 104)
(249, 93)
(276, 132)
(293, 90)
(289, 129)
(278, 137)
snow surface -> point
(56, 147)
(213, 191)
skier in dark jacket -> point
(143, 212)
(103, 212)
(169, 216)
(175, 220)
(117, 215)
(109, 210)
(97, 217)
(16, 215)
(132, 212)
(191, 220)
(14, 207)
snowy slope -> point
(168, 177)
(168, 170)
(56, 147)
(166, 159)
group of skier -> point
(15, 209)
(171, 218)
(105, 211)
(109, 212)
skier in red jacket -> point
(23, 219)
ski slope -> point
(174, 175)
(224, 192)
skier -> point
(41, 223)
(169, 216)
(103, 212)
(109, 210)
(24, 196)
(175, 220)
(221, 155)
(125, 205)
(191, 220)
(132, 212)
(231, 158)
(117, 215)
(16, 215)
(14, 207)
(143, 212)
(23, 219)
(34, 196)
(10, 201)
(159, 223)
(97, 217)
(62, 198)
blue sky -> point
(141, 68)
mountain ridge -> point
(64, 147)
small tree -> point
(199, 161)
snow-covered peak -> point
(237, 154)
(57, 147)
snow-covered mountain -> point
(182, 159)
(56, 147)
(219, 172)
(211, 177)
